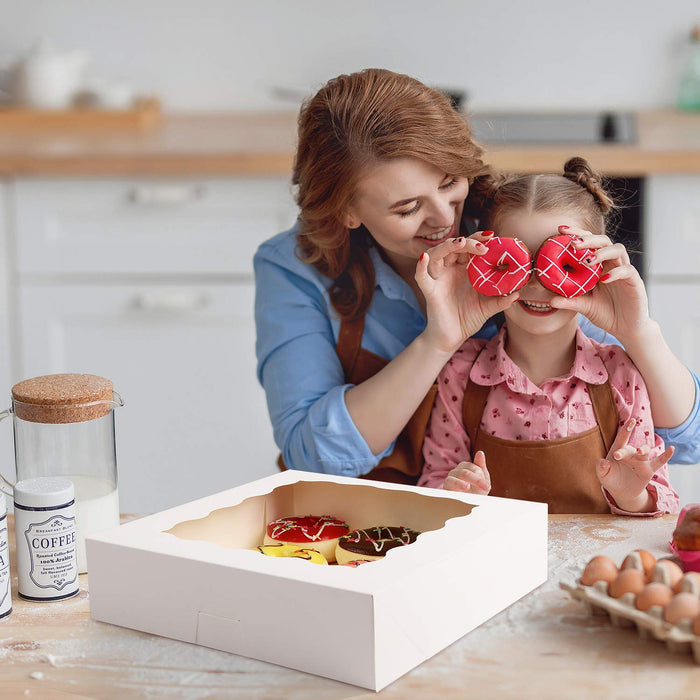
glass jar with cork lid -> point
(64, 427)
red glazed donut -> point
(560, 268)
(319, 532)
(504, 268)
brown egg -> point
(600, 568)
(627, 581)
(648, 562)
(654, 593)
(682, 606)
(675, 573)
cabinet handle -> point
(177, 302)
(166, 194)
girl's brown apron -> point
(405, 463)
(560, 472)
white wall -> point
(228, 54)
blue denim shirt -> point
(299, 369)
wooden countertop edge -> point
(613, 161)
(236, 164)
(262, 144)
(610, 160)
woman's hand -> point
(627, 471)
(454, 310)
(470, 477)
(618, 303)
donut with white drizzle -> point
(504, 268)
(561, 267)
(373, 543)
(319, 532)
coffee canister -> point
(5, 596)
(47, 565)
(64, 427)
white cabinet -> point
(672, 225)
(150, 284)
(95, 227)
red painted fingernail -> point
(480, 246)
(487, 233)
(579, 239)
(422, 255)
(564, 227)
(604, 277)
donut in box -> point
(372, 543)
(319, 532)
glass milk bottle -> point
(64, 427)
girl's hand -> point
(470, 477)
(618, 303)
(627, 471)
(454, 310)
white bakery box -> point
(192, 573)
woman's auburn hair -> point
(352, 122)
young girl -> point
(535, 412)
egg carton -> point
(650, 624)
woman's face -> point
(409, 207)
(532, 312)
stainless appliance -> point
(554, 127)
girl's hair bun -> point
(579, 171)
(483, 190)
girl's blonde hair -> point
(352, 122)
(579, 190)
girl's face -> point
(533, 312)
(409, 207)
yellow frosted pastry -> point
(290, 550)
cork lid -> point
(62, 398)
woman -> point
(349, 345)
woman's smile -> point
(440, 236)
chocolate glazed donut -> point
(372, 543)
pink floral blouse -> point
(517, 409)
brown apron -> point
(560, 472)
(405, 463)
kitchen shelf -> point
(146, 113)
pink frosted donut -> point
(560, 268)
(504, 268)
